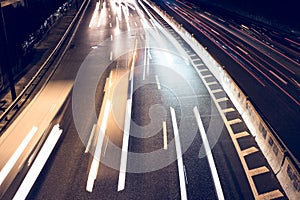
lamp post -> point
(7, 61)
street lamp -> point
(7, 62)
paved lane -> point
(267, 75)
(153, 74)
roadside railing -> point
(9, 113)
(61, 118)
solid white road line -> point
(87, 149)
(117, 24)
(149, 54)
(94, 15)
(179, 156)
(149, 57)
(227, 110)
(235, 121)
(123, 164)
(196, 59)
(259, 170)
(203, 70)
(157, 82)
(199, 65)
(212, 83)
(186, 179)
(106, 145)
(207, 76)
(271, 195)
(249, 151)
(38, 163)
(14, 158)
(96, 161)
(145, 63)
(222, 99)
(165, 136)
(101, 16)
(217, 91)
(241, 134)
(210, 158)
(110, 55)
(110, 78)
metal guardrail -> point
(35, 80)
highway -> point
(146, 118)
(263, 62)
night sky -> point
(285, 14)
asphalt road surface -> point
(147, 119)
(264, 63)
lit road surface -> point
(161, 130)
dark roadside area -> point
(40, 52)
(282, 17)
